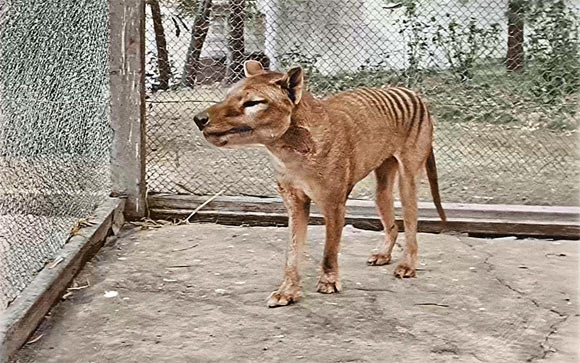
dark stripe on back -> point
(423, 116)
(398, 103)
(363, 92)
(379, 99)
(359, 96)
(389, 103)
(394, 104)
(421, 110)
(405, 102)
(415, 106)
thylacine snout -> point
(321, 149)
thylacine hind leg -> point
(410, 165)
(386, 174)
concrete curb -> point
(22, 317)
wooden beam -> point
(127, 85)
(494, 220)
(25, 313)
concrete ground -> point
(197, 293)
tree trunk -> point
(235, 58)
(515, 52)
(198, 34)
(162, 55)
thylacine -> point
(321, 149)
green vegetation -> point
(553, 50)
(476, 87)
(465, 45)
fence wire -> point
(501, 78)
(54, 129)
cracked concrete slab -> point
(197, 293)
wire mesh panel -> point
(54, 129)
(501, 78)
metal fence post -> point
(127, 82)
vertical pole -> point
(198, 35)
(127, 83)
(236, 47)
(273, 12)
(161, 42)
(515, 52)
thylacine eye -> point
(253, 103)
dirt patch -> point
(198, 293)
(477, 163)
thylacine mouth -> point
(235, 130)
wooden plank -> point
(127, 85)
(363, 207)
(22, 317)
(427, 225)
(545, 221)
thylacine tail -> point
(434, 184)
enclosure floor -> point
(197, 293)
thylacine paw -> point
(379, 259)
(329, 283)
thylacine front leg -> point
(334, 219)
(298, 205)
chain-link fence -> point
(54, 129)
(500, 76)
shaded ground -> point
(197, 293)
(478, 163)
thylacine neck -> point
(307, 112)
(308, 120)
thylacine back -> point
(401, 110)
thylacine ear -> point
(252, 68)
(293, 82)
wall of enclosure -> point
(54, 130)
(500, 76)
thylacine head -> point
(257, 109)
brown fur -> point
(321, 148)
